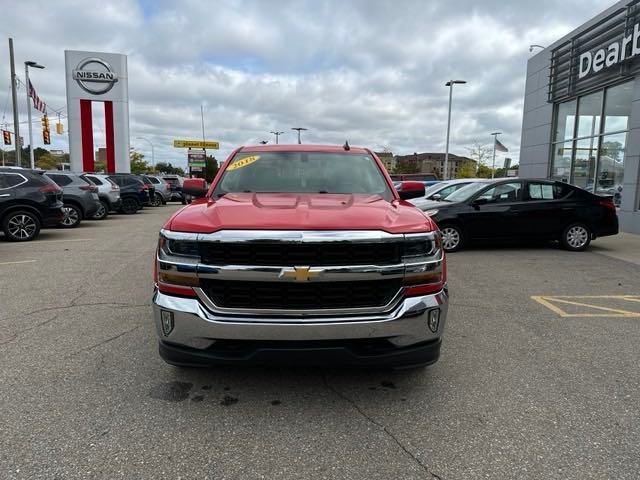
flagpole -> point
(28, 89)
(493, 165)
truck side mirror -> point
(196, 187)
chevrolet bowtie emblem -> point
(300, 274)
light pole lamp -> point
(531, 47)
(28, 89)
(277, 134)
(493, 165)
(449, 84)
(299, 129)
(153, 156)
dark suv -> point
(133, 192)
(28, 201)
(80, 197)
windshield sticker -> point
(243, 162)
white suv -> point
(108, 192)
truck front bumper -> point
(191, 335)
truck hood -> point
(287, 211)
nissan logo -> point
(96, 81)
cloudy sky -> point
(372, 72)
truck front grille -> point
(317, 254)
(304, 296)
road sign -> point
(193, 163)
(195, 144)
(199, 156)
(196, 169)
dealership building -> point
(581, 121)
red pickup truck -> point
(300, 254)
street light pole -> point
(493, 166)
(449, 84)
(153, 156)
(277, 134)
(299, 129)
(26, 78)
(14, 97)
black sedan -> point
(520, 209)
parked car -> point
(129, 178)
(175, 183)
(373, 291)
(133, 192)
(162, 190)
(523, 209)
(28, 201)
(441, 190)
(153, 199)
(80, 197)
(108, 193)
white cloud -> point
(372, 72)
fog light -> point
(434, 319)
(167, 322)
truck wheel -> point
(452, 238)
(576, 237)
(21, 226)
(103, 211)
(72, 216)
(129, 206)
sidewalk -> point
(624, 246)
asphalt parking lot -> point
(533, 382)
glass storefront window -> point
(611, 165)
(589, 111)
(561, 164)
(566, 120)
(617, 107)
(584, 163)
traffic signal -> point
(46, 136)
(59, 128)
(45, 122)
(6, 135)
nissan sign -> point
(95, 76)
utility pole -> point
(277, 134)
(299, 129)
(493, 166)
(203, 140)
(14, 97)
(450, 83)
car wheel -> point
(129, 206)
(103, 211)
(452, 238)
(576, 237)
(72, 216)
(157, 200)
(21, 226)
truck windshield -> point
(303, 172)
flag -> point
(500, 147)
(37, 103)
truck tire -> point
(21, 226)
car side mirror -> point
(436, 196)
(411, 189)
(480, 201)
(196, 187)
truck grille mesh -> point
(306, 296)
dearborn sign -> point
(624, 49)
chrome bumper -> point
(195, 326)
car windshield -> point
(435, 188)
(465, 192)
(303, 172)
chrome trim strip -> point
(239, 313)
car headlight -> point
(431, 213)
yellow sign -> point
(300, 274)
(195, 144)
(243, 162)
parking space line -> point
(38, 242)
(549, 302)
(15, 263)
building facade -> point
(581, 120)
(434, 163)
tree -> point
(211, 169)
(467, 170)
(138, 165)
(47, 162)
(483, 172)
(99, 166)
(168, 169)
(480, 152)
